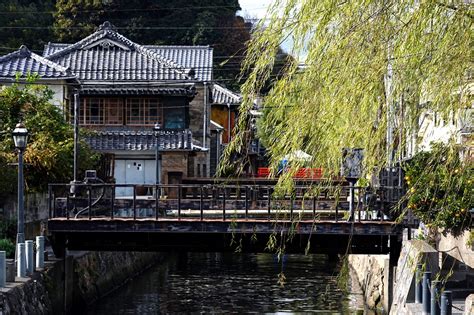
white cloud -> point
(254, 8)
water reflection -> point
(230, 283)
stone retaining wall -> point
(369, 271)
(94, 275)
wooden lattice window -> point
(143, 111)
(113, 111)
(101, 111)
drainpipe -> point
(204, 129)
(228, 123)
(76, 133)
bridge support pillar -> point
(391, 267)
(68, 283)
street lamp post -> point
(20, 137)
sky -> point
(257, 9)
(253, 8)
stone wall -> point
(173, 162)
(36, 207)
(196, 113)
(369, 271)
(94, 275)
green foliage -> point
(7, 246)
(25, 22)
(365, 60)
(8, 229)
(49, 153)
(441, 188)
(470, 240)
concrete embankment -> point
(70, 285)
(450, 265)
(382, 293)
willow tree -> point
(371, 67)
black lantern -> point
(20, 136)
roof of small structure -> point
(145, 140)
(224, 96)
(23, 61)
(107, 55)
(139, 90)
(216, 126)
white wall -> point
(435, 129)
(59, 88)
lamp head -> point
(20, 136)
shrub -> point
(8, 229)
(7, 246)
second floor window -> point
(102, 111)
(170, 112)
(143, 111)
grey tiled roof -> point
(108, 55)
(174, 91)
(140, 140)
(198, 58)
(24, 61)
(221, 95)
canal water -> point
(232, 283)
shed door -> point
(134, 171)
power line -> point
(108, 9)
(40, 52)
(131, 28)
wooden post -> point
(179, 202)
(223, 203)
(157, 203)
(54, 204)
(112, 204)
(134, 203)
(291, 207)
(246, 202)
(67, 206)
(50, 195)
(269, 202)
(201, 211)
(89, 201)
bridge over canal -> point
(221, 217)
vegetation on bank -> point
(7, 237)
(441, 188)
(49, 152)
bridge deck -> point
(216, 218)
(214, 225)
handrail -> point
(211, 200)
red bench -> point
(313, 173)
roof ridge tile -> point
(106, 30)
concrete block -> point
(469, 305)
(11, 270)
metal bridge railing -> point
(204, 201)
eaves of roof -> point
(23, 61)
(224, 96)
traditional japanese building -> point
(125, 89)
